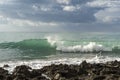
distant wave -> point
(53, 44)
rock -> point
(84, 71)
(3, 72)
(2, 77)
(57, 76)
(40, 78)
(35, 73)
(84, 64)
(99, 78)
(9, 77)
(6, 65)
(22, 70)
(20, 77)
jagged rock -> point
(22, 70)
(9, 77)
(84, 71)
(3, 73)
(99, 78)
(20, 77)
(6, 65)
(35, 73)
(57, 76)
(40, 78)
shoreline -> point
(85, 71)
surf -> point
(50, 44)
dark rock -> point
(40, 78)
(84, 71)
(22, 70)
(2, 77)
(20, 77)
(3, 72)
(35, 73)
(84, 64)
(99, 78)
(9, 77)
(6, 65)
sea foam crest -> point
(91, 47)
(54, 40)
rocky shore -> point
(84, 71)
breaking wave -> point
(55, 44)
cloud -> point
(68, 11)
(71, 8)
(104, 3)
(19, 22)
(41, 8)
(109, 15)
(111, 12)
(2, 2)
(41, 13)
(64, 1)
(9, 24)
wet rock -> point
(84, 64)
(57, 76)
(35, 73)
(22, 70)
(3, 73)
(20, 77)
(6, 65)
(40, 78)
(84, 71)
(2, 77)
(9, 77)
(99, 78)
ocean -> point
(38, 49)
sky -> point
(60, 15)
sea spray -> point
(54, 40)
(91, 47)
(60, 46)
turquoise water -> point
(16, 46)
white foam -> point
(54, 40)
(37, 64)
(91, 47)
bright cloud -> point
(64, 1)
(18, 22)
(71, 8)
(111, 12)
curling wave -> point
(52, 45)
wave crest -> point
(91, 47)
(56, 44)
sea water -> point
(38, 49)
